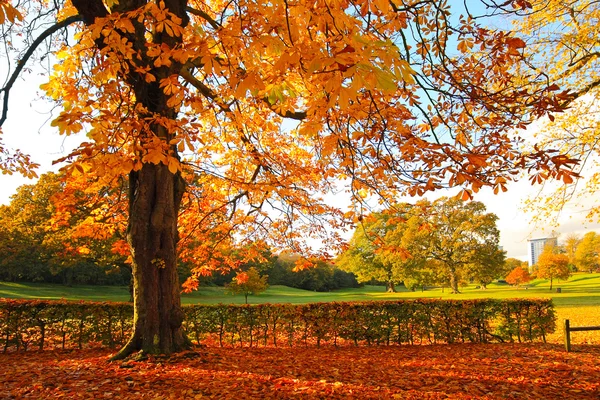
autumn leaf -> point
(406, 372)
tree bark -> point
(155, 197)
(390, 287)
(453, 281)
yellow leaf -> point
(153, 156)
(173, 165)
(406, 72)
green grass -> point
(579, 290)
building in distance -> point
(535, 248)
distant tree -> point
(552, 265)
(319, 276)
(247, 283)
(423, 274)
(489, 264)
(377, 250)
(518, 276)
(512, 263)
(459, 235)
(587, 254)
(44, 239)
(570, 245)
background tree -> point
(552, 265)
(44, 239)
(247, 283)
(175, 92)
(511, 263)
(457, 235)
(377, 250)
(587, 254)
(489, 264)
(570, 245)
(322, 276)
(518, 276)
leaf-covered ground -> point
(495, 371)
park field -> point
(578, 300)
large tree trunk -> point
(155, 192)
(155, 196)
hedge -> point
(41, 324)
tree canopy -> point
(562, 42)
(461, 237)
(245, 114)
(377, 250)
(587, 253)
(445, 241)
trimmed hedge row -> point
(40, 324)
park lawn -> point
(580, 290)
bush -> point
(27, 324)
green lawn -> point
(579, 290)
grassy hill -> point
(580, 290)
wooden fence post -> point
(567, 335)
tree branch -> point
(186, 74)
(204, 16)
(21, 64)
(585, 90)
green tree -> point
(587, 253)
(321, 276)
(512, 263)
(488, 265)
(43, 240)
(552, 265)
(377, 252)
(247, 283)
(460, 236)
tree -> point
(570, 245)
(562, 37)
(43, 238)
(322, 276)
(173, 93)
(552, 265)
(587, 254)
(512, 263)
(459, 235)
(376, 250)
(489, 264)
(518, 276)
(247, 283)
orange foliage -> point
(403, 372)
(518, 276)
(231, 78)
